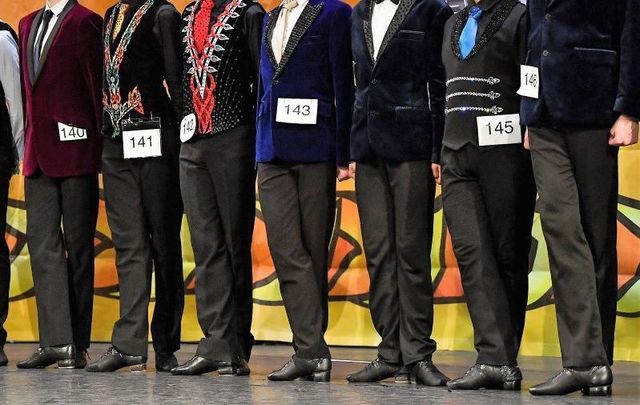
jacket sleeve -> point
(11, 84)
(92, 64)
(252, 30)
(342, 75)
(436, 78)
(167, 33)
(628, 97)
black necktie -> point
(393, 1)
(37, 50)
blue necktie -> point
(468, 37)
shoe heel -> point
(67, 363)
(599, 391)
(511, 386)
(322, 376)
(138, 368)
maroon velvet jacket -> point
(67, 88)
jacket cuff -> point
(628, 106)
(435, 157)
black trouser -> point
(576, 173)
(298, 204)
(395, 203)
(5, 263)
(62, 259)
(489, 200)
(144, 211)
(217, 178)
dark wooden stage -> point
(53, 386)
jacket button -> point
(374, 81)
(547, 17)
(545, 53)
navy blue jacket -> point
(588, 53)
(316, 64)
(399, 108)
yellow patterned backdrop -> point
(350, 322)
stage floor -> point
(79, 387)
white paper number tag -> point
(297, 111)
(499, 130)
(529, 81)
(141, 143)
(187, 127)
(68, 133)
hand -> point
(342, 173)
(526, 140)
(352, 170)
(624, 132)
(437, 174)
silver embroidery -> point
(492, 94)
(489, 80)
(493, 110)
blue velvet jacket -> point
(400, 97)
(588, 53)
(316, 64)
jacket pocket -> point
(597, 56)
(411, 115)
(410, 34)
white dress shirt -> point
(56, 10)
(380, 19)
(10, 80)
(291, 22)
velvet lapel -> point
(308, 16)
(403, 10)
(31, 44)
(271, 25)
(366, 26)
(52, 36)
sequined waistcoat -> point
(486, 82)
(7, 160)
(139, 90)
(224, 80)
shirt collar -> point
(58, 8)
(301, 3)
(485, 5)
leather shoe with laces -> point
(317, 370)
(377, 370)
(426, 373)
(489, 377)
(237, 368)
(114, 360)
(595, 381)
(166, 362)
(49, 355)
(195, 366)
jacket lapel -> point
(271, 25)
(366, 26)
(52, 36)
(403, 10)
(30, 44)
(308, 16)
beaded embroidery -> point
(492, 110)
(112, 99)
(489, 80)
(201, 67)
(492, 94)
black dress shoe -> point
(377, 370)
(196, 366)
(114, 360)
(425, 373)
(3, 357)
(46, 356)
(317, 370)
(403, 376)
(79, 362)
(165, 362)
(491, 377)
(237, 368)
(594, 381)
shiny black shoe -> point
(47, 356)
(113, 360)
(196, 366)
(595, 381)
(79, 362)
(375, 371)
(506, 378)
(237, 368)
(403, 376)
(165, 362)
(425, 373)
(317, 370)
(3, 358)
